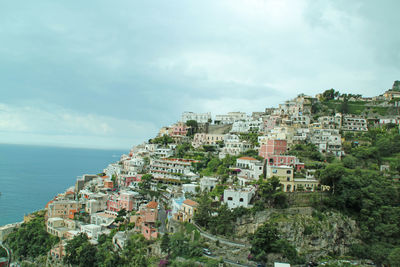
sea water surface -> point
(30, 176)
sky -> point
(109, 74)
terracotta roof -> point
(152, 205)
(247, 158)
(48, 203)
(190, 202)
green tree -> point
(193, 127)
(165, 243)
(121, 216)
(222, 224)
(266, 240)
(145, 185)
(394, 257)
(31, 239)
(114, 180)
(263, 241)
(330, 94)
(80, 252)
(331, 175)
(203, 215)
(135, 252)
(182, 149)
(344, 107)
(3, 252)
(162, 140)
(350, 162)
(269, 192)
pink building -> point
(179, 129)
(127, 200)
(113, 203)
(146, 223)
(126, 181)
(273, 147)
(123, 200)
(281, 160)
(284, 160)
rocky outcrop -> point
(313, 233)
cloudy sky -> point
(109, 74)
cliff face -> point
(313, 233)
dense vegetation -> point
(80, 252)
(31, 239)
(219, 219)
(3, 252)
(266, 240)
(361, 190)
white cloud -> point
(58, 126)
(154, 61)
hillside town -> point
(156, 185)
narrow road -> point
(8, 253)
(233, 263)
(221, 240)
(162, 216)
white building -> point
(113, 169)
(120, 239)
(91, 230)
(354, 123)
(230, 118)
(199, 117)
(247, 126)
(208, 183)
(238, 198)
(331, 122)
(56, 226)
(200, 139)
(250, 168)
(172, 169)
(303, 120)
(103, 218)
(133, 165)
(94, 205)
(301, 134)
(189, 188)
(234, 146)
(327, 141)
(164, 152)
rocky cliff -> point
(313, 233)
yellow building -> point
(187, 211)
(285, 175)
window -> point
(288, 171)
(229, 198)
(288, 178)
(241, 199)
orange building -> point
(145, 220)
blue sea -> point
(30, 176)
